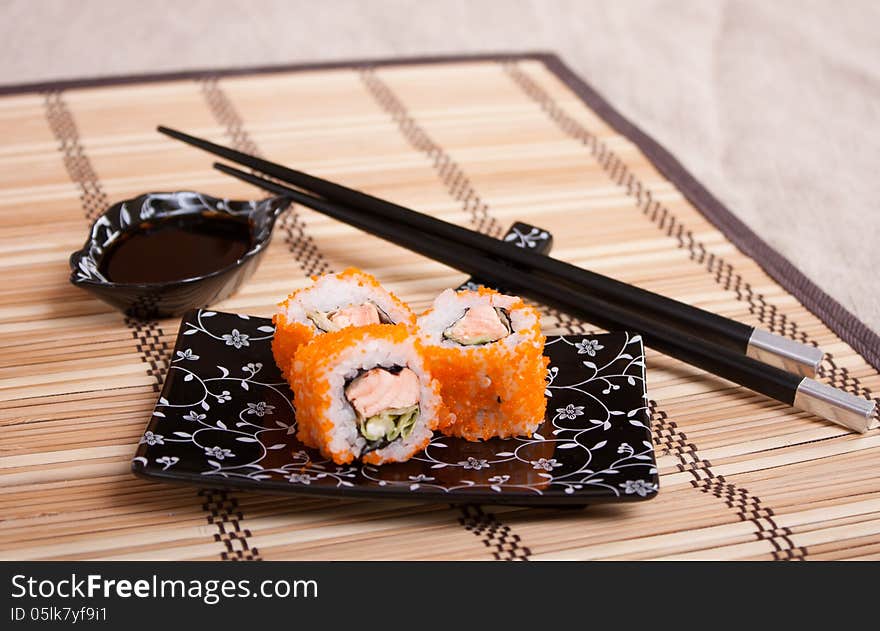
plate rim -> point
(276, 487)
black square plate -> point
(225, 419)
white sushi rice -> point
(450, 306)
(331, 293)
(370, 354)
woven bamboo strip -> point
(81, 498)
(857, 548)
(753, 549)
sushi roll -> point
(333, 302)
(364, 392)
(487, 351)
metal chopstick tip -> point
(775, 350)
(850, 411)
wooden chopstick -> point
(735, 336)
(838, 406)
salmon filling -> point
(386, 402)
(354, 315)
(482, 324)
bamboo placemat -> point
(481, 142)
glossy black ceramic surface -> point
(147, 212)
(225, 419)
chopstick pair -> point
(705, 340)
(738, 337)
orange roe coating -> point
(492, 390)
(312, 395)
(289, 336)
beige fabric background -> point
(774, 106)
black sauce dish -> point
(172, 297)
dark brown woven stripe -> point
(750, 508)
(223, 508)
(79, 168)
(458, 185)
(225, 513)
(148, 335)
(849, 328)
(667, 437)
(454, 179)
(657, 213)
(224, 112)
(504, 543)
(660, 215)
(677, 442)
(154, 351)
(299, 242)
(671, 440)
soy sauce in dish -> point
(176, 248)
